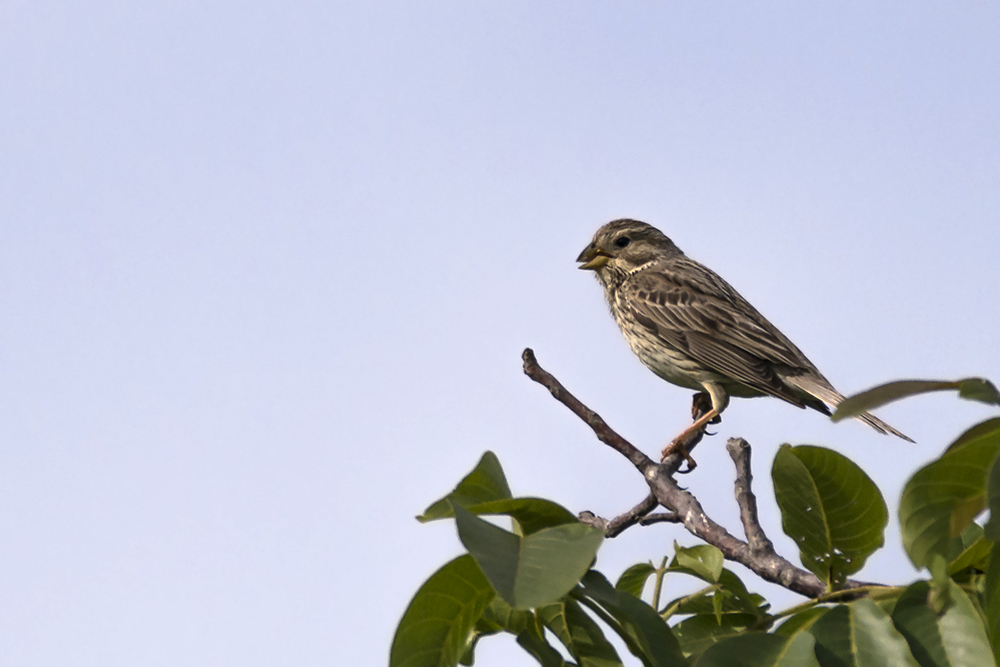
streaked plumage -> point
(690, 327)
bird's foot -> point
(679, 446)
(691, 434)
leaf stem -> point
(658, 582)
(875, 590)
(672, 609)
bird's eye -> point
(622, 241)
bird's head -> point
(622, 245)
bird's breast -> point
(658, 355)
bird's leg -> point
(700, 404)
(679, 444)
(706, 408)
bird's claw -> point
(677, 446)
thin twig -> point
(637, 514)
(601, 429)
(660, 517)
(616, 526)
(592, 519)
(675, 605)
(873, 590)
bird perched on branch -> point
(690, 327)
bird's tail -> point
(881, 426)
(821, 389)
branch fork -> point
(756, 552)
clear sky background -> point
(266, 271)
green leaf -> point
(698, 602)
(531, 514)
(800, 621)
(852, 406)
(859, 634)
(991, 601)
(532, 641)
(980, 430)
(645, 633)
(717, 601)
(955, 638)
(522, 624)
(633, 580)
(976, 389)
(704, 561)
(698, 633)
(436, 625)
(756, 649)
(738, 598)
(992, 528)
(939, 597)
(940, 500)
(484, 627)
(831, 508)
(581, 636)
(729, 596)
(975, 551)
(529, 571)
(505, 617)
(486, 482)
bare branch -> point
(635, 515)
(604, 432)
(638, 515)
(739, 450)
(616, 526)
(660, 517)
(592, 519)
(767, 565)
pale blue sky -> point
(266, 271)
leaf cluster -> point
(536, 579)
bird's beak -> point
(593, 258)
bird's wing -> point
(698, 313)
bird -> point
(692, 329)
